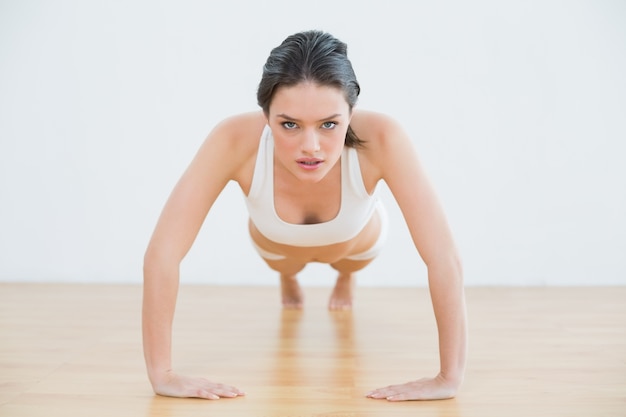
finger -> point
(384, 392)
(202, 393)
(396, 394)
(379, 394)
(227, 391)
(401, 397)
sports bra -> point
(357, 206)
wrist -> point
(158, 376)
(453, 379)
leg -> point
(291, 294)
(341, 297)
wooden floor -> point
(75, 350)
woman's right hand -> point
(173, 385)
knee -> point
(348, 266)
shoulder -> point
(239, 131)
(235, 138)
(385, 139)
(229, 151)
(374, 125)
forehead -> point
(309, 100)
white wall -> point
(517, 108)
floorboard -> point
(75, 350)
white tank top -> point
(357, 206)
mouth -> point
(309, 163)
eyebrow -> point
(293, 119)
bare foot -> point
(341, 298)
(291, 292)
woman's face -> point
(309, 123)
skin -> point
(309, 123)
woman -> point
(308, 164)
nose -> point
(310, 143)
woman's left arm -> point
(402, 171)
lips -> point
(309, 163)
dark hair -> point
(310, 56)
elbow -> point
(457, 265)
(448, 264)
(157, 260)
(150, 259)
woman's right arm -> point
(176, 229)
(160, 290)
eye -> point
(289, 125)
(328, 125)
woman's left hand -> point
(437, 388)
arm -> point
(173, 236)
(430, 232)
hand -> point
(174, 385)
(437, 388)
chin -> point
(311, 177)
